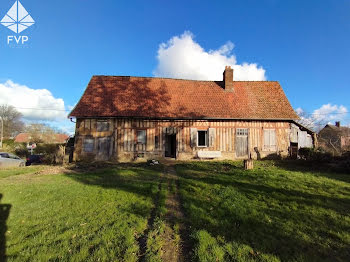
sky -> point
(302, 44)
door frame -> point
(107, 156)
(170, 146)
(242, 136)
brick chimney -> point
(337, 124)
(228, 79)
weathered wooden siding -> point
(124, 134)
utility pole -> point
(2, 131)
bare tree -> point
(40, 133)
(311, 121)
(12, 120)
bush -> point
(319, 158)
(53, 153)
(9, 142)
(21, 151)
(315, 155)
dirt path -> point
(176, 243)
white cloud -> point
(326, 114)
(27, 101)
(182, 57)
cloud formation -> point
(182, 57)
(28, 101)
(326, 114)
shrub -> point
(315, 155)
(53, 153)
(21, 150)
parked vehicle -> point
(10, 160)
(34, 159)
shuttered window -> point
(102, 125)
(141, 136)
(202, 138)
(270, 140)
(88, 145)
(87, 124)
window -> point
(102, 125)
(85, 124)
(141, 136)
(270, 140)
(13, 156)
(202, 138)
(242, 132)
(88, 145)
(4, 155)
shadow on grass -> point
(342, 206)
(138, 178)
(322, 169)
(4, 213)
(265, 218)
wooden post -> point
(248, 164)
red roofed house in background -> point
(335, 138)
(54, 138)
(125, 118)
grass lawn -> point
(85, 216)
(276, 212)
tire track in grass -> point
(177, 245)
(148, 241)
(166, 237)
(142, 240)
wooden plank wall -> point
(124, 132)
(224, 134)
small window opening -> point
(156, 142)
(88, 145)
(102, 125)
(202, 138)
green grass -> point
(19, 171)
(88, 216)
(280, 211)
(276, 212)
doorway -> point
(103, 148)
(241, 142)
(170, 146)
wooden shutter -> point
(193, 137)
(149, 140)
(211, 132)
(266, 139)
(272, 140)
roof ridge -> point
(155, 77)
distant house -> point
(335, 138)
(54, 138)
(125, 118)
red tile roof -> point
(25, 138)
(22, 138)
(124, 96)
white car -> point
(10, 160)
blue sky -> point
(302, 44)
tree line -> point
(14, 124)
